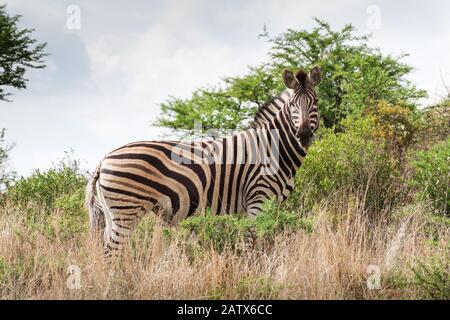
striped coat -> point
(229, 175)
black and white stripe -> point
(268, 111)
(229, 175)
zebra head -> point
(302, 102)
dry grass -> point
(329, 263)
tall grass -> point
(332, 262)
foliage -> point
(225, 231)
(273, 220)
(58, 185)
(431, 175)
(6, 174)
(398, 126)
(18, 51)
(432, 275)
(218, 231)
(355, 77)
(436, 123)
(52, 201)
(211, 108)
(351, 163)
(224, 108)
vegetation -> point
(435, 124)
(51, 201)
(62, 181)
(349, 164)
(373, 190)
(432, 175)
(432, 276)
(366, 206)
(316, 258)
(230, 232)
(355, 77)
(18, 51)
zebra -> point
(234, 174)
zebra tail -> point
(93, 205)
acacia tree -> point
(18, 52)
(355, 77)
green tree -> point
(18, 51)
(225, 107)
(355, 77)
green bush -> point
(431, 175)
(62, 185)
(220, 232)
(433, 276)
(226, 231)
(273, 220)
(52, 202)
(350, 163)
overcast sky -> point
(105, 79)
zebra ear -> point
(315, 75)
(289, 79)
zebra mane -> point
(269, 110)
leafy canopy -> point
(18, 51)
(355, 77)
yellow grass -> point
(332, 262)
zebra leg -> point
(250, 239)
(122, 221)
(253, 209)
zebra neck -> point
(281, 130)
(269, 110)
